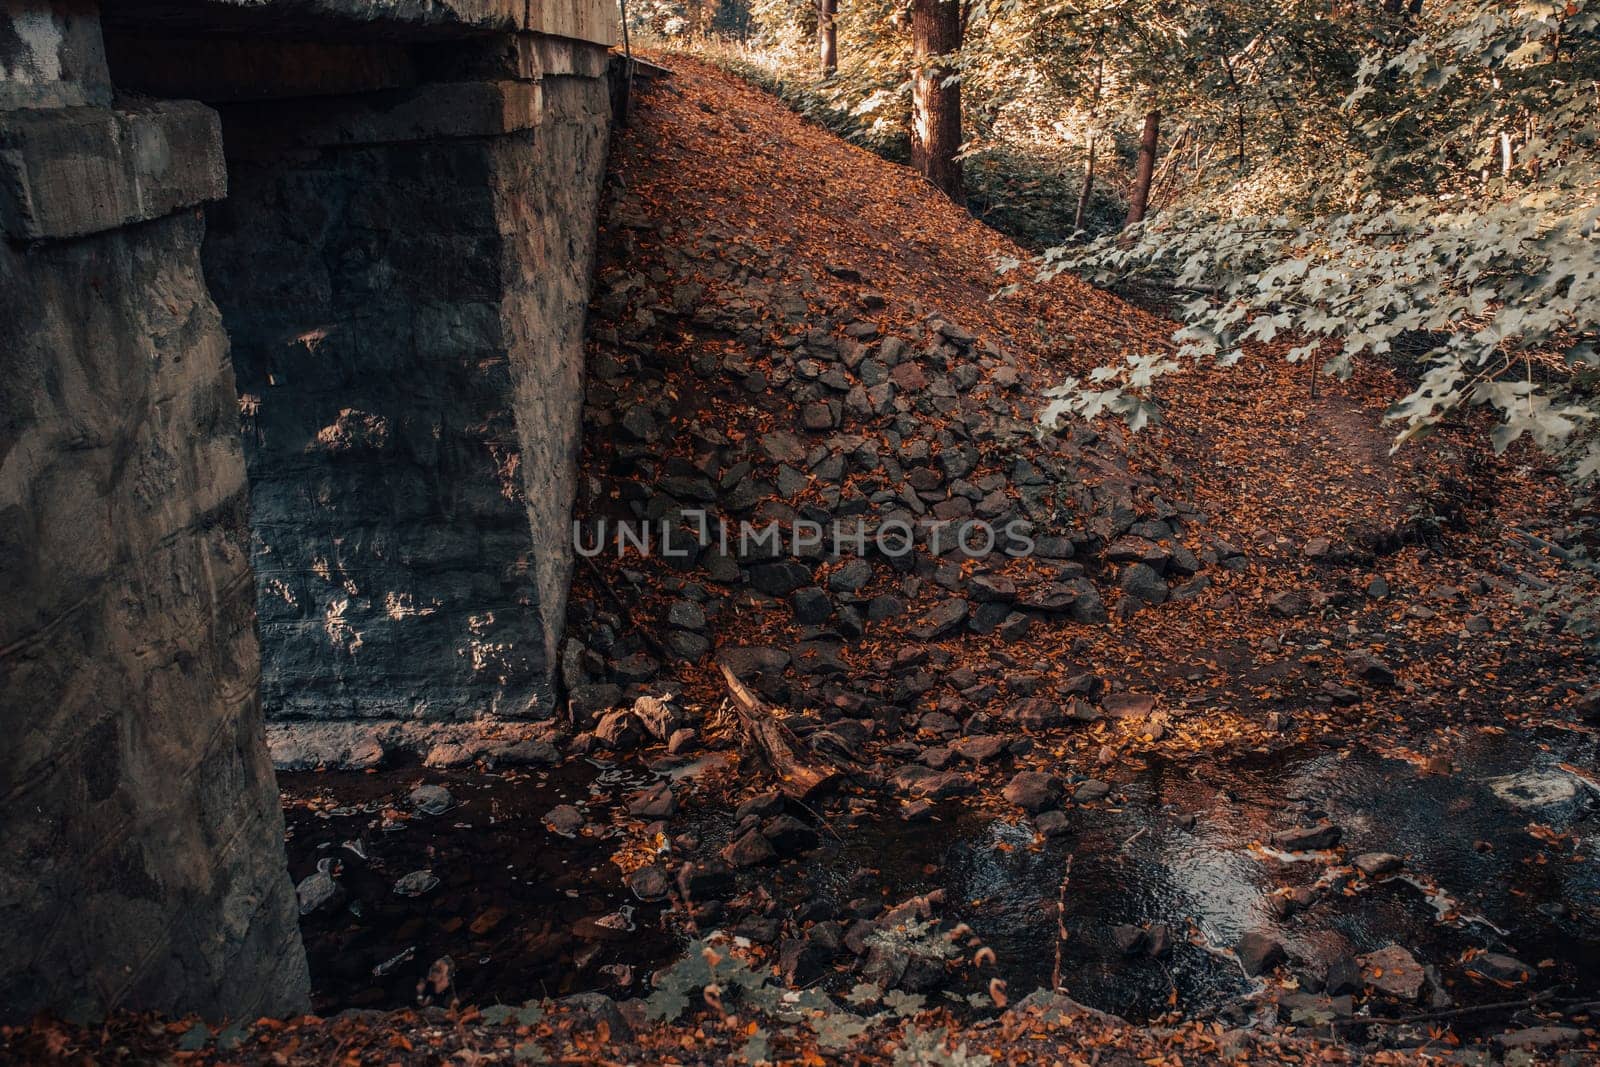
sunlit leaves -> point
(1489, 274)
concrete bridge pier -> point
(141, 845)
(329, 254)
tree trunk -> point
(1140, 200)
(828, 36)
(935, 107)
(1088, 184)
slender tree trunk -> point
(1087, 191)
(1238, 104)
(935, 107)
(1088, 184)
(1140, 200)
(828, 36)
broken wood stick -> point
(1061, 924)
(776, 743)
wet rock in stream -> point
(1259, 952)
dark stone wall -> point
(407, 321)
(405, 310)
(141, 844)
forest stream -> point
(1493, 860)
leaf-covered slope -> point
(789, 329)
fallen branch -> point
(1566, 555)
(1451, 1013)
(1061, 923)
(627, 612)
(776, 743)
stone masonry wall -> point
(406, 317)
(141, 845)
(549, 192)
(402, 272)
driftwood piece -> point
(776, 743)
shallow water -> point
(1135, 863)
(1522, 880)
(510, 890)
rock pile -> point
(861, 518)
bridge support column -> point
(404, 274)
(141, 858)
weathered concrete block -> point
(76, 171)
(561, 57)
(583, 20)
(142, 859)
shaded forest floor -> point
(1268, 722)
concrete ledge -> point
(426, 113)
(70, 172)
(520, 57)
(595, 21)
(568, 57)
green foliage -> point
(901, 1003)
(836, 1030)
(757, 1049)
(708, 966)
(928, 1048)
(1470, 243)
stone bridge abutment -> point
(293, 302)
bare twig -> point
(1061, 923)
(1450, 1013)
